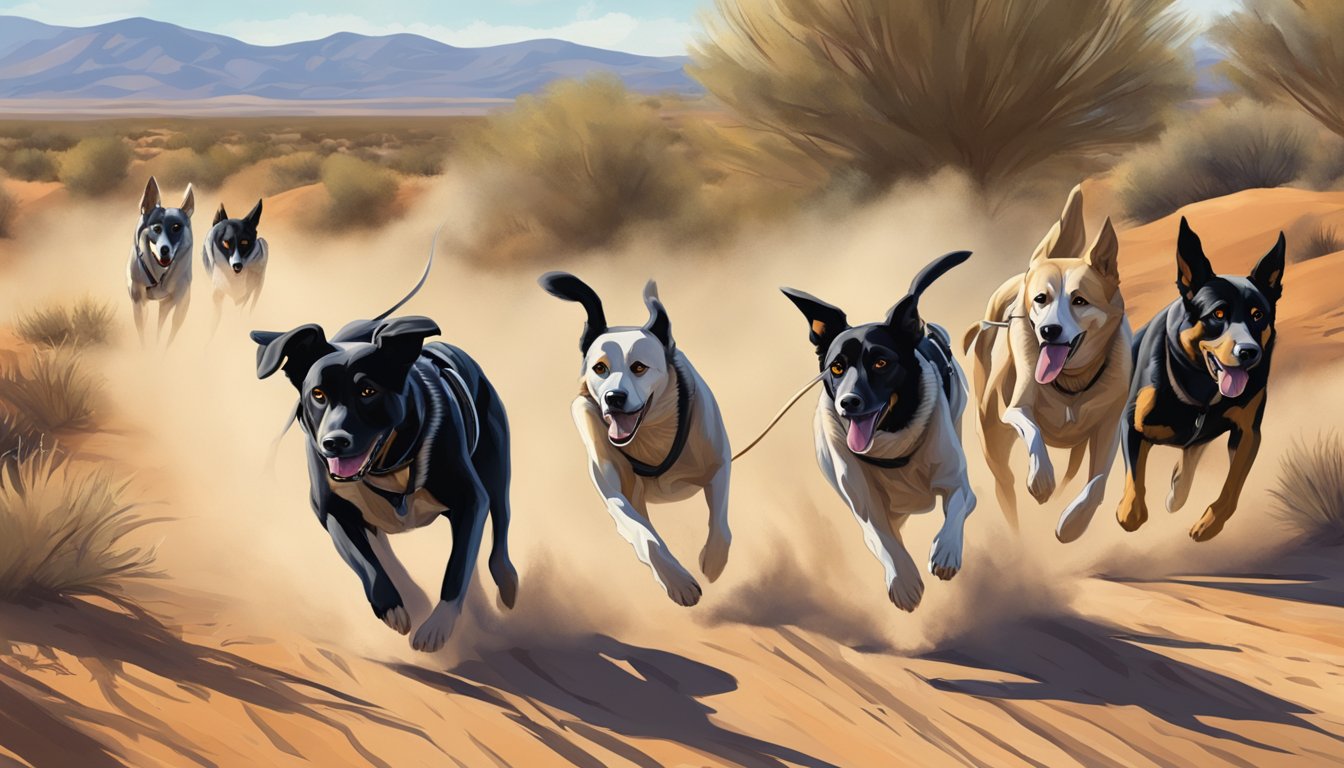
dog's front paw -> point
(905, 592)
(399, 619)
(1132, 513)
(714, 555)
(945, 557)
(431, 635)
(1040, 476)
(681, 586)
(506, 579)
(1210, 525)
(1079, 513)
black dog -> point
(400, 432)
(1200, 371)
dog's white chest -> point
(421, 508)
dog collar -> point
(140, 259)
(894, 463)
(1095, 378)
(683, 430)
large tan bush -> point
(206, 170)
(886, 89)
(96, 165)
(359, 193)
(9, 208)
(31, 165)
(1289, 50)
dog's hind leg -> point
(1101, 448)
(1183, 476)
(470, 505)
(714, 555)
(492, 464)
(138, 312)
(219, 311)
(997, 440)
(179, 314)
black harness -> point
(683, 429)
(936, 351)
(144, 270)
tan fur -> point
(1133, 511)
(1190, 340)
(1242, 459)
(1143, 406)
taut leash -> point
(792, 401)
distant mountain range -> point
(151, 60)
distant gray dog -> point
(235, 259)
(160, 265)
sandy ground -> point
(258, 649)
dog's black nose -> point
(851, 403)
(1051, 332)
(615, 399)
(335, 443)
(1248, 354)
(237, 268)
(163, 251)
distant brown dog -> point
(1061, 376)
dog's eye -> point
(243, 243)
(1079, 301)
(1219, 314)
(600, 369)
(158, 229)
(319, 396)
(176, 227)
(879, 364)
(639, 369)
(838, 368)
(368, 392)
(1040, 298)
(226, 245)
(1257, 314)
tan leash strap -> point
(780, 415)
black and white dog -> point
(399, 433)
(234, 257)
(160, 265)
(652, 430)
(888, 428)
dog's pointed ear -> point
(903, 319)
(150, 200)
(1268, 272)
(825, 321)
(401, 339)
(659, 323)
(563, 285)
(188, 205)
(253, 216)
(1105, 252)
(1067, 238)
(1192, 266)
(220, 215)
(295, 351)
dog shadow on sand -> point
(115, 642)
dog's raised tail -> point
(563, 285)
(429, 263)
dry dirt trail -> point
(256, 648)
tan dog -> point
(1060, 375)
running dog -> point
(235, 258)
(1201, 370)
(652, 430)
(888, 428)
(160, 265)
(400, 432)
(1062, 371)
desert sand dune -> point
(256, 648)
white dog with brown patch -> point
(653, 433)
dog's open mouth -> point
(347, 468)
(1054, 357)
(622, 426)
(164, 261)
(1231, 381)
(863, 428)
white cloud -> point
(75, 13)
(615, 31)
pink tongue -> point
(621, 425)
(1231, 381)
(345, 467)
(861, 433)
(1051, 362)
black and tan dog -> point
(1200, 371)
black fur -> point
(234, 236)
(563, 285)
(367, 390)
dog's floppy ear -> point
(188, 205)
(1192, 266)
(150, 200)
(401, 339)
(1104, 253)
(220, 215)
(825, 321)
(1067, 238)
(1268, 272)
(563, 285)
(253, 216)
(659, 324)
(295, 351)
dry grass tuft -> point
(1310, 490)
(294, 170)
(1322, 241)
(95, 166)
(888, 89)
(1219, 151)
(9, 208)
(65, 530)
(85, 323)
(361, 194)
(31, 165)
(54, 392)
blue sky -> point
(657, 27)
